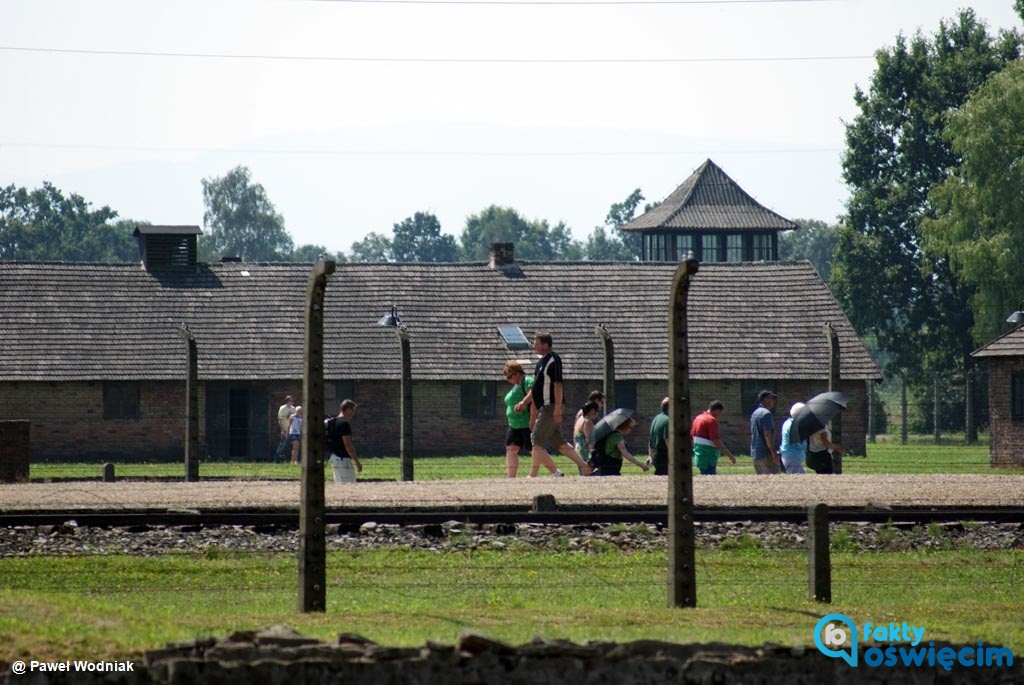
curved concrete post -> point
(312, 506)
(682, 575)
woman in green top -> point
(517, 402)
(610, 454)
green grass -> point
(109, 606)
(884, 457)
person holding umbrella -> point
(762, 436)
(819, 451)
(811, 423)
(610, 443)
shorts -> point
(605, 465)
(518, 436)
(766, 467)
(820, 462)
(344, 469)
(547, 432)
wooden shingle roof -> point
(709, 201)
(64, 321)
(1009, 344)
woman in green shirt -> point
(517, 402)
(610, 454)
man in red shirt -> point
(707, 445)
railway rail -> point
(564, 516)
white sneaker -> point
(558, 474)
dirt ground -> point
(714, 491)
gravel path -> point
(740, 491)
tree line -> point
(241, 221)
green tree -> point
(241, 221)
(622, 213)
(375, 247)
(534, 240)
(895, 153)
(609, 243)
(814, 241)
(979, 219)
(44, 224)
(311, 253)
(603, 245)
(563, 246)
(419, 239)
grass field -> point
(109, 606)
(884, 457)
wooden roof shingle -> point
(1009, 344)
(709, 201)
(65, 321)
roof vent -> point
(167, 248)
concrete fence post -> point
(191, 405)
(609, 367)
(682, 573)
(312, 505)
(819, 563)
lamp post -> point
(1017, 317)
(405, 448)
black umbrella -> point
(611, 421)
(814, 415)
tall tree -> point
(895, 153)
(980, 208)
(44, 224)
(534, 240)
(241, 221)
(814, 241)
(311, 253)
(609, 243)
(375, 247)
(419, 239)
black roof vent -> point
(167, 248)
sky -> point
(354, 115)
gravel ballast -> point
(709, 491)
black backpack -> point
(330, 445)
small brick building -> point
(92, 356)
(1005, 358)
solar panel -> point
(513, 337)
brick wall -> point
(1006, 432)
(67, 421)
(67, 418)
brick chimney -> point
(503, 259)
(502, 254)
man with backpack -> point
(338, 434)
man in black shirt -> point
(546, 411)
(343, 460)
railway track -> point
(563, 516)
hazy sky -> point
(355, 115)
